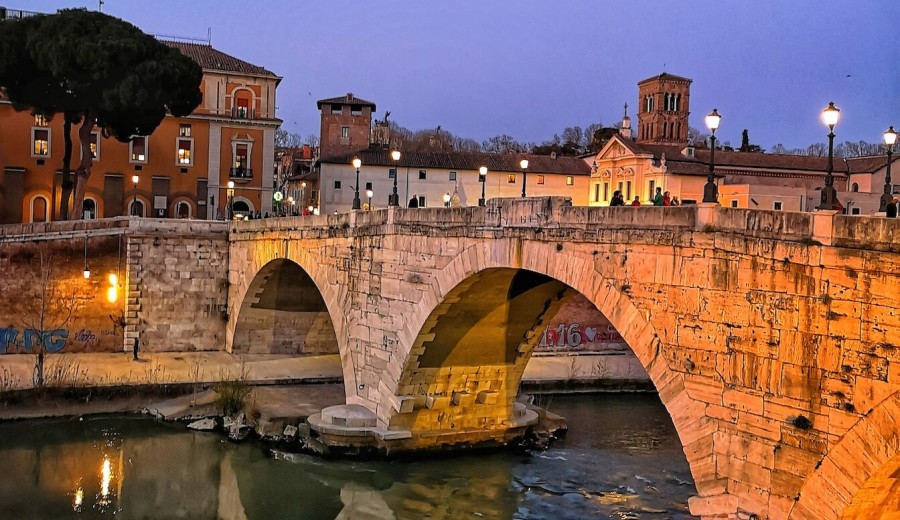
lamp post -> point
(394, 199)
(447, 200)
(369, 194)
(302, 193)
(134, 180)
(830, 117)
(482, 176)
(230, 194)
(291, 202)
(890, 137)
(710, 190)
(356, 164)
(524, 165)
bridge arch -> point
(860, 474)
(258, 262)
(584, 275)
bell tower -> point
(663, 110)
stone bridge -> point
(771, 337)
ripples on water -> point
(620, 460)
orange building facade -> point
(182, 170)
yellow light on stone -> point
(113, 279)
(79, 499)
(112, 294)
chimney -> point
(349, 96)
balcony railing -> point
(243, 113)
(241, 174)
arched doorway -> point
(283, 312)
(136, 208)
(182, 210)
(39, 209)
(240, 209)
(89, 209)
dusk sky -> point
(531, 68)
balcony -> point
(243, 113)
(241, 175)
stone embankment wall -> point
(177, 284)
(170, 285)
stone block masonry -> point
(770, 336)
(170, 285)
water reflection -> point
(621, 459)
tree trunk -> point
(66, 193)
(38, 378)
(84, 168)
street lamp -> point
(230, 194)
(710, 190)
(134, 180)
(394, 200)
(890, 137)
(291, 201)
(524, 165)
(447, 200)
(830, 117)
(356, 164)
(302, 192)
(482, 176)
(369, 194)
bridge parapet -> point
(533, 215)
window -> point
(421, 201)
(777, 205)
(854, 188)
(355, 110)
(422, 175)
(368, 185)
(95, 146)
(243, 108)
(40, 142)
(337, 109)
(40, 120)
(241, 155)
(184, 155)
(345, 132)
(452, 176)
(596, 193)
(854, 211)
(621, 187)
(392, 172)
(606, 191)
(540, 179)
(628, 190)
(734, 203)
(138, 147)
(337, 185)
(184, 130)
(570, 181)
(651, 185)
(511, 178)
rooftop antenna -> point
(209, 36)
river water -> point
(620, 460)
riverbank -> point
(174, 385)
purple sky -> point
(531, 68)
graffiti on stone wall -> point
(15, 341)
(574, 336)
